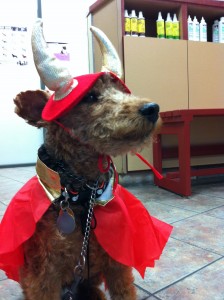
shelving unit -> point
(210, 10)
(177, 74)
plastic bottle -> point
(176, 28)
(134, 24)
(203, 30)
(169, 27)
(196, 30)
(127, 23)
(190, 29)
(160, 26)
(215, 31)
(221, 30)
(141, 25)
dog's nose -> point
(150, 111)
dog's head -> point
(97, 110)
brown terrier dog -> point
(75, 226)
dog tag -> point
(66, 221)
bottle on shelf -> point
(196, 30)
(160, 26)
(176, 28)
(190, 29)
(215, 31)
(141, 25)
(169, 27)
(134, 23)
(203, 30)
(221, 30)
(127, 23)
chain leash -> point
(71, 292)
(81, 264)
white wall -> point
(19, 141)
(64, 21)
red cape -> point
(124, 229)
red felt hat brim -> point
(56, 108)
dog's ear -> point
(29, 106)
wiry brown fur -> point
(109, 122)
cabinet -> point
(177, 74)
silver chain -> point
(81, 264)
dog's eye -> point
(90, 98)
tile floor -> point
(192, 264)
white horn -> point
(51, 70)
(110, 61)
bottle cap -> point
(160, 18)
(140, 15)
(126, 13)
(168, 18)
(133, 14)
(195, 19)
(175, 18)
(202, 20)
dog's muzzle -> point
(150, 111)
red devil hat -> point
(69, 91)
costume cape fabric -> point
(124, 228)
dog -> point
(72, 226)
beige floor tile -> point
(21, 174)
(191, 266)
(10, 290)
(217, 212)
(167, 213)
(2, 208)
(203, 231)
(206, 284)
(215, 190)
(177, 261)
(8, 190)
(2, 275)
(197, 203)
(142, 295)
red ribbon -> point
(156, 173)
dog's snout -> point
(150, 111)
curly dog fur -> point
(107, 121)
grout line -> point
(186, 242)
(182, 208)
(3, 279)
(142, 289)
(172, 205)
(156, 297)
(214, 208)
(210, 195)
(3, 204)
(201, 213)
(186, 218)
(183, 278)
(17, 180)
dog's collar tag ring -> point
(66, 220)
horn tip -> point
(94, 29)
(39, 22)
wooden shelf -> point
(210, 10)
(176, 74)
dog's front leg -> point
(44, 288)
(119, 279)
